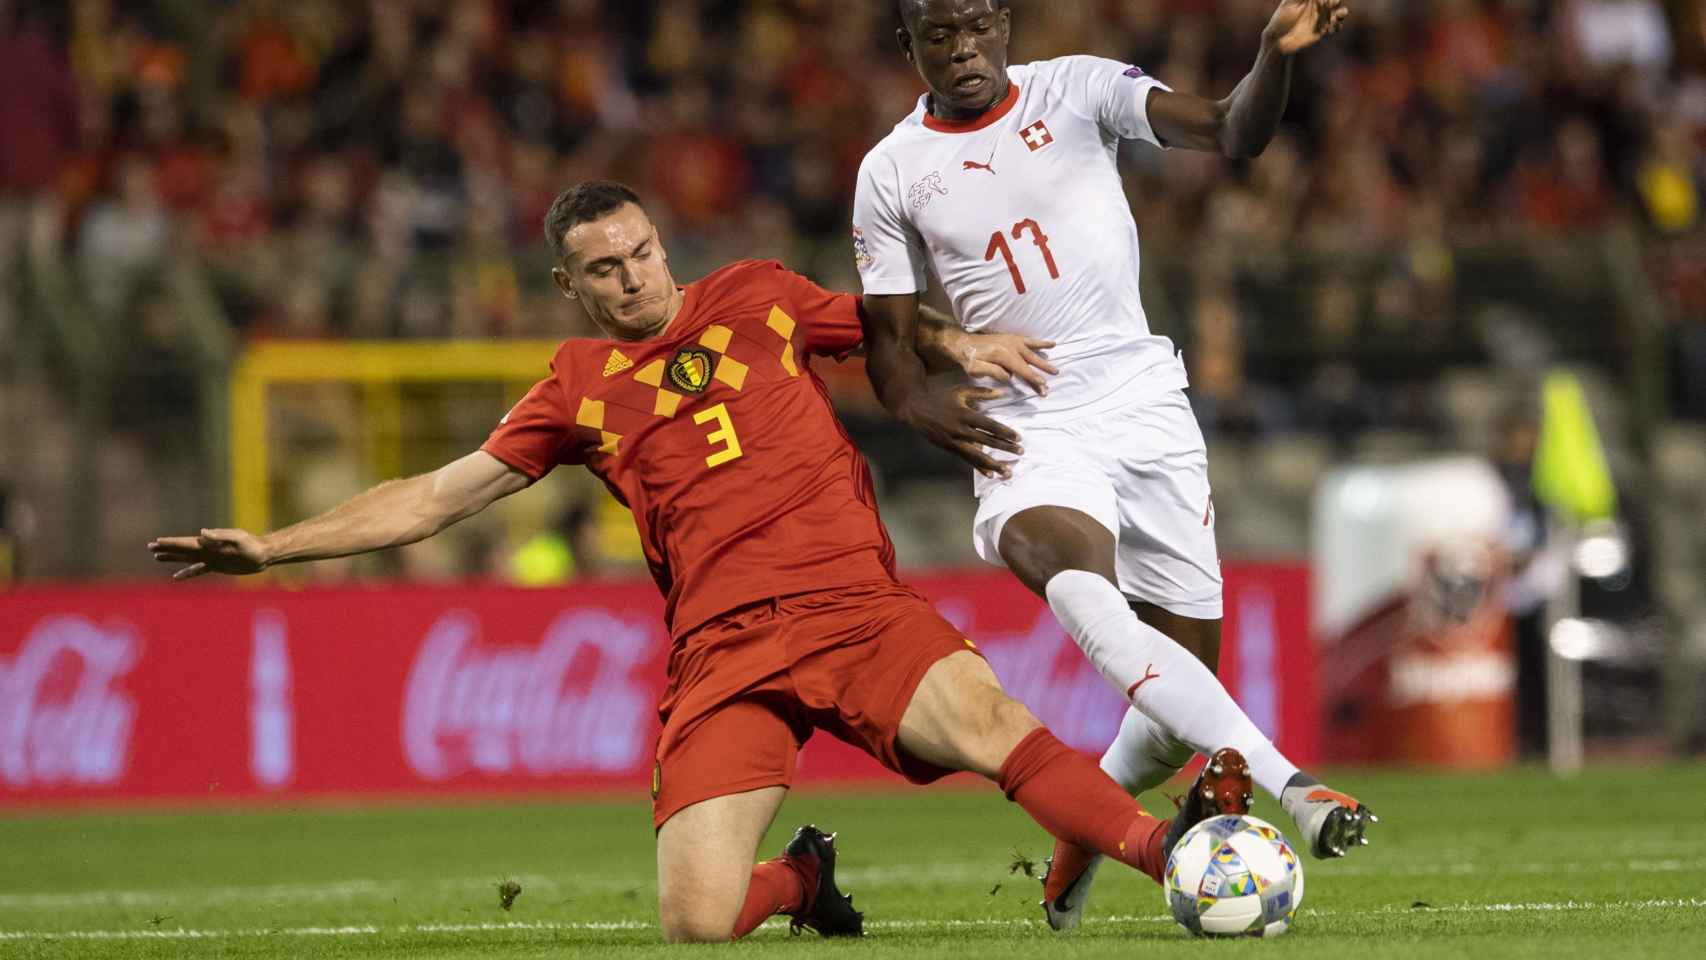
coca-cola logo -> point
(1043, 670)
(570, 705)
(62, 720)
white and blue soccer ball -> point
(1234, 877)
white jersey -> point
(1022, 216)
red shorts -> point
(748, 688)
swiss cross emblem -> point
(1036, 136)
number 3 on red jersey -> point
(724, 435)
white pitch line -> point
(852, 877)
(270, 893)
(278, 893)
(181, 933)
(1507, 867)
(348, 890)
(1692, 903)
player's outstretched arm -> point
(1245, 122)
(948, 419)
(393, 514)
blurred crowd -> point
(372, 169)
(380, 169)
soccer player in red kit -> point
(702, 414)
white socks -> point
(1165, 681)
(1144, 754)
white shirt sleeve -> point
(887, 250)
(1114, 94)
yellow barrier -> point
(380, 370)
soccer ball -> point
(1234, 877)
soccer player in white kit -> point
(1004, 183)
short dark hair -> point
(584, 203)
(907, 8)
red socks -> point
(1062, 790)
(1071, 798)
(777, 886)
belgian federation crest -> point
(692, 368)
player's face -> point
(617, 268)
(960, 49)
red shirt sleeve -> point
(534, 436)
(829, 322)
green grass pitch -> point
(1611, 864)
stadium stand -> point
(1467, 193)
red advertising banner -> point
(192, 692)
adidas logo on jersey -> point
(616, 363)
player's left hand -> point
(1003, 356)
(1299, 24)
(950, 419)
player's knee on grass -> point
(696, 907)
(705, 857)
(687, 926)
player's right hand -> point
(235, 552)
(1299, 24)
(1004, 356)
(950, 420)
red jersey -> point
(721, 440)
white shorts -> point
(1142, 472)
